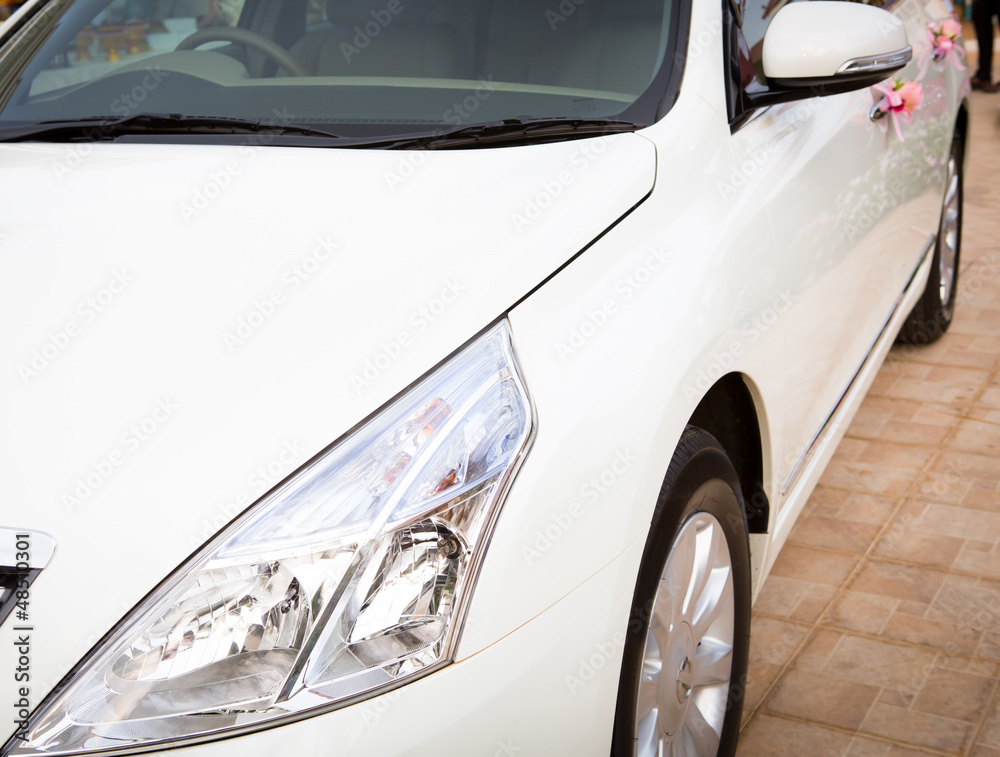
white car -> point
(420, 377)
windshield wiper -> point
(509, 131)
(102, 128)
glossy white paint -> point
(818, 38)
(834, 311)
(714, 271)
(227, 417)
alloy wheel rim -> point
(948, 246)
(688, 657)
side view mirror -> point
(825, 48)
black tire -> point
(933, 313)
(700, 479)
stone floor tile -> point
(864, 747)
(958, 522)
(964, 599)
(908, 432)
(898, 751)
(770, 736)
(878, 633)
(900, 543)
(824, 699)
(982, 499)
(948, 487)
(867, 508)
(817, 650)
(909, 457)
(880, 663)
(865, 477)
(774, 641)
(833, 533)
(860, 612)
(990, 734)
(952, 637)
(960, 696)
(813, 605)
(977, 436)
(827, 502)
(978, 561)
(906, 582)
(947, 385)
(813, 565)
(779, 596)
(917, 728)
(760, 677)
(968, 465)
(962, 350)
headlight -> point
(351, 577)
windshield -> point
(354, 68)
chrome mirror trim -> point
(875, 63)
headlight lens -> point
(350, 577)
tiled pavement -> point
(878, 632)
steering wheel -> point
(272, 50)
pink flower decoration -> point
(951, 28)
(893, 102)
(900, 99)
(944, 43)
(912, 95)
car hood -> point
(186, 325)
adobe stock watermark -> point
(129, 443)
(699, 43)
(605, 653)
(461, 112)
(550, 191)
(739, 175)
(372, 710)
(123, 106)
(975, 278)
(258, 481)
(887, 195)
(365, 34)
(623, 290)
(22, 631)
(722, 362)
(506, 748)
(562, 12)
(264, 308)
(881, 200)
(458, 114)
(220, 179)
(86, 312)
(419, 321)
(590, 492)
(970, 284)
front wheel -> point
(932, 314)
(685, 659)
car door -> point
(830, 180)
(921, 154)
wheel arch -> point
(962, 130)
(730, 411)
